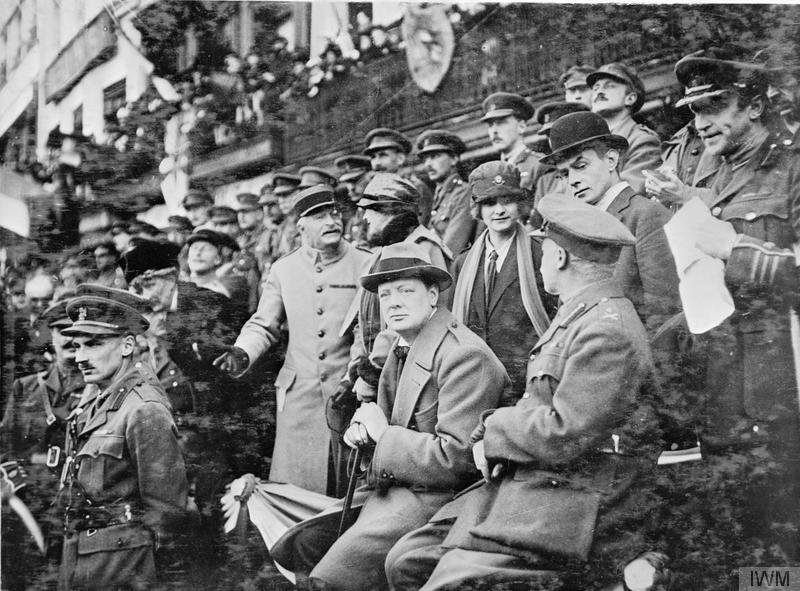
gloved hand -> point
(234, 361)
(369, 372)
(340, 408)
(372, 421)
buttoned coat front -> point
(588, 381)
(312, 297)
(646, 270)
(448, 379)
(127, 460)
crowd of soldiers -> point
(502, 362)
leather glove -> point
(368, 372)
(234, 361)
(373, 419)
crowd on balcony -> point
(554, 369)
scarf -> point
(531, 300)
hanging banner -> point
(430, 42)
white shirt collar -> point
(611, 194)
(502, 252)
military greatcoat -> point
(450, 216)
(312, 296)
(569, 448)
(643, 153)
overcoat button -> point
(319, 289)
(319, 311)
(321, 355)
(750, 216)
(321, 333)
(716, 211)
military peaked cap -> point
(382, 138)
(352, 167)
(55, 316)
(247, 202)
(196, 198)
(313, 175)
(503, 104)
(284, 183)
(705, 77)
(218, 239)
(547, 113)
(575, 76)
(582, 229)
(222, 214)
(312, 198)
(100, 310)
(440, 140)
(621, 73)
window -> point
(113, 100)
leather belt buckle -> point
(53, 456)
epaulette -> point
(577, 312)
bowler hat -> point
(388, 188)
(312, 198)
(313, 175)
(495, 179)
(582, 229)
(403, 260)
(100, 310)
(149, 255)
(576, 129)
(440, 140)
(621, 73)
(382, 138)
(503, 104)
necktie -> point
(491, 273)
(401, 352)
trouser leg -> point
(412, 559)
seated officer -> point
(124, 477)
(559, 465)
(432, 390)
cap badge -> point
(498, 180)
(82, 313)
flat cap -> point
(388, 188)
(503, 104)
(313, 175)
(100, 310)
(403, 260)
(218, 239)
(312, 198)
(197, 198)
(246, 202)
(547, 113)
(382, 138)
(55, 315)
(705, 77)
(495, 179)
(222, 214)
(575, 76)
(576, 129)
(621, 73)
(582, 229)
(149, 256)
(440, 140)
(352, 167)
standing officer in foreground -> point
(311, 289)
(561, 464)
(124, 478)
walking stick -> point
(348, 499)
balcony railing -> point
(517, 48)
